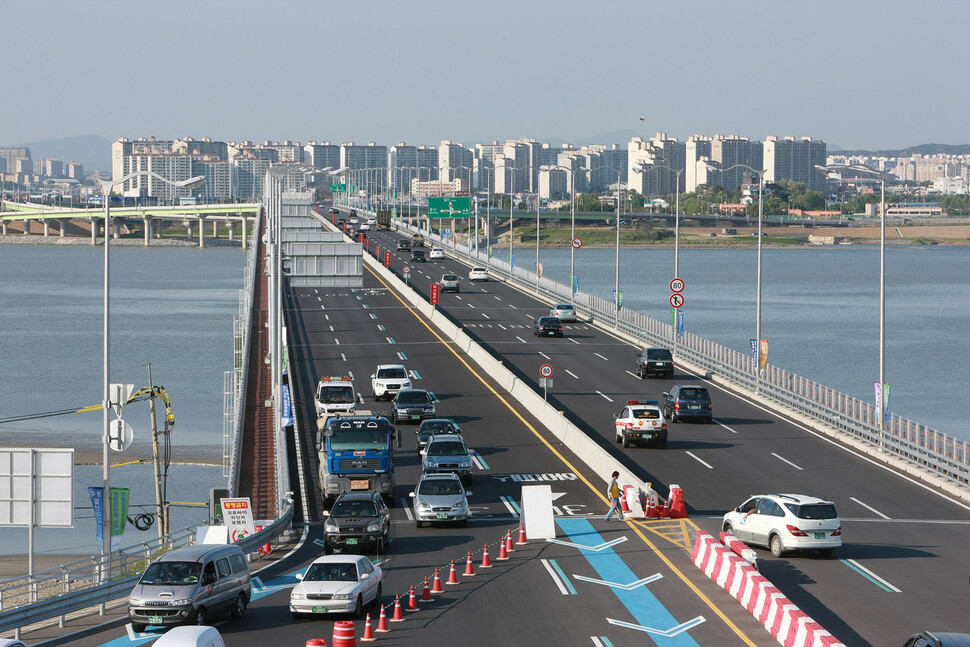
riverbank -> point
(35, 239)
(88, 449)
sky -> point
(879, 74)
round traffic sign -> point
(677, 299)
(406, 270)
(545, 371)
(677, 285)
(577, 243)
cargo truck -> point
(355, 453)
(384, 219)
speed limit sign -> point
(407, 269)
(545, 371)
(677, 285)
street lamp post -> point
(106, 186)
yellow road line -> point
(566, 462)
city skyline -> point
(417, 73)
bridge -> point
(901, 491)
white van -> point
(191, 585)
(191, 637)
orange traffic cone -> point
(398, 614)
(382, 622)
(624, 506)
(368, 632)
(502, 551)
(436, 583)
(486, 562)
(452, 576)
(508, 542)
(521, 541)
(651, 512)
(412, 602)
(469, 567)
(426, 593)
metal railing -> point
(937, 452)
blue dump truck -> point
(355, 455)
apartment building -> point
(454, 160)
(370, 157)
(791, 159)
(322, 155)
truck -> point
(384, 219)
(417, 240)
(355, 453)
(334, 394)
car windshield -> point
(564, 306)
(391, 373)
(813, 510)
(658, 353)
(172, 573)
(437, 427)
(449, 277)
(478, 269)
(413, 397)
(440, 487)
(694, 394)
(646, 414)
(337, 394)
(343, 572)
(353, 509)
(446, 449)
(548, 321)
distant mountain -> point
(921, 149)
(93, 151)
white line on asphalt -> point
(544, 355)
(785, 460)
(872, 575)
(511, 508)
(573, 340)
(498, 298)
(555, 577)
(869, 507)
(605, 396)
(327, 317)
(331, 328)
(336, 341)
(513, 307)
(407, 511)
(502, 327)
(521, 340)
(601, 357)
(571, 373)
(458, 297)
(631, 373)
(725, 426)
(486, 316)
(708, 466)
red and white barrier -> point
(726, 565)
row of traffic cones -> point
(506, 547)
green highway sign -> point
(338, 188)
(449, 207)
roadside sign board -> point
(457, 207)
(338, 188)
(435, 288)
(677, 285)
(387, 258)
(545, 371)
(677, 300)
(238, 516)
(577, 243)
(407, 269)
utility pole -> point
(160, 510)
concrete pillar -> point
(61, 226)
(245, 238)
(231, 228)
(188, 228)
(47, 228)
(4, 226)
(115, 229)
(158, 228)
(215, 228)
(26, 222)
(148, 229)
(201, 232)
(94, 231)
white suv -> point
(388, 379)
(436, 254)
(784, 522)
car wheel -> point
(138, 628)
(673, 417)
(619, 437)
(775, 544)
(201, 616)
(297, 616)
(626, 441)
(825, 553)
(728, 528)
(463, 523)
(359, 607)
(240, 607)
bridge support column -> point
(148, 229)
(115, 229)
(245, 238)
(158, 228)
(201, 232)
(231, 229)
(47, 228)
(61, 226)
(215, 228)
(188, 228)
(94, 231)
(3, 228)
(26, 222)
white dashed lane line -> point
(608, 398)
(521, 340)
(869, 507)
(785, 460)
(708, 466)
(573, 340)
(601, 357)
(571, 373)
(544, 355)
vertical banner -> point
(882, 402)
(763, 360)
(619, 301)
(97, 502)
(286, 414)
(576, 283)
(238, 515)
(119, 515)
(539, 270)
(754, 349)
(680, 323)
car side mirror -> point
(423, 452)
(299, 576)
(467, 493)
(373, 376)
(411, 494)
(364, 576)
(616, 415)
(666, 395)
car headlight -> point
(330, 526)
(460, 505)
(132, 602)
(342, 596)
(465, 462)
(424, 507)
(374, 527)
(180, 603)
(297, 596)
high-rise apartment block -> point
(791, 159)
(322, 155)
(454, 160)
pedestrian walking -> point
(613, 492)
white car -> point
(364, 226)
(641, 423)
(786, 522)
(337, 584)
(440, 497)
(388, 379)
(436, 254)
(478, 274)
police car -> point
(641, 423)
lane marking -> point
(544, 355)
(869, 507)
(402, 356)
(373, 316)
(572, 340)
(510, 504)
(666, 633)
(498, 298)
(336, 341)
(725, 426)
(597, 548)
(478, 460)
(343, 357)
(486, 316)
(502, 327)
(601, 641)
(407, 511)
(785, 460)
(331, 328)
(710, 467)
(326, 317)
(608, 398)
(390, 340)
(601, 357)
(632, 374)
(617, 585)
(415, 374)
(380, 327)
(869, 575)
(571, 373)
(521, 340)
(554, 572)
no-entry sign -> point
(577, 243)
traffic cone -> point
(436, 583)
(652, 512)
(502, 552)
(412, 602)
(368, 632)
(398, 614)
(624, 506)
(469, 567)
(426, 593)
(486, 562)
(508, 542)
(452, 576)
(382, 627)
(521, 541)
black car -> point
(435, 427)
(655, 361)
(357, 519)
(334, 210)
(403, 245)
(938, 639)
(419, 256)
(548, 327)
(688, 402)
(413, 405)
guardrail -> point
(905, 439)
(56, 592)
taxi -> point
(641, 423)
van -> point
(191, 637)
(191, 585)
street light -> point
(572, 250)
(883, 400)
(757, 343)
(106, 186)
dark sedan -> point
(548, 327)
